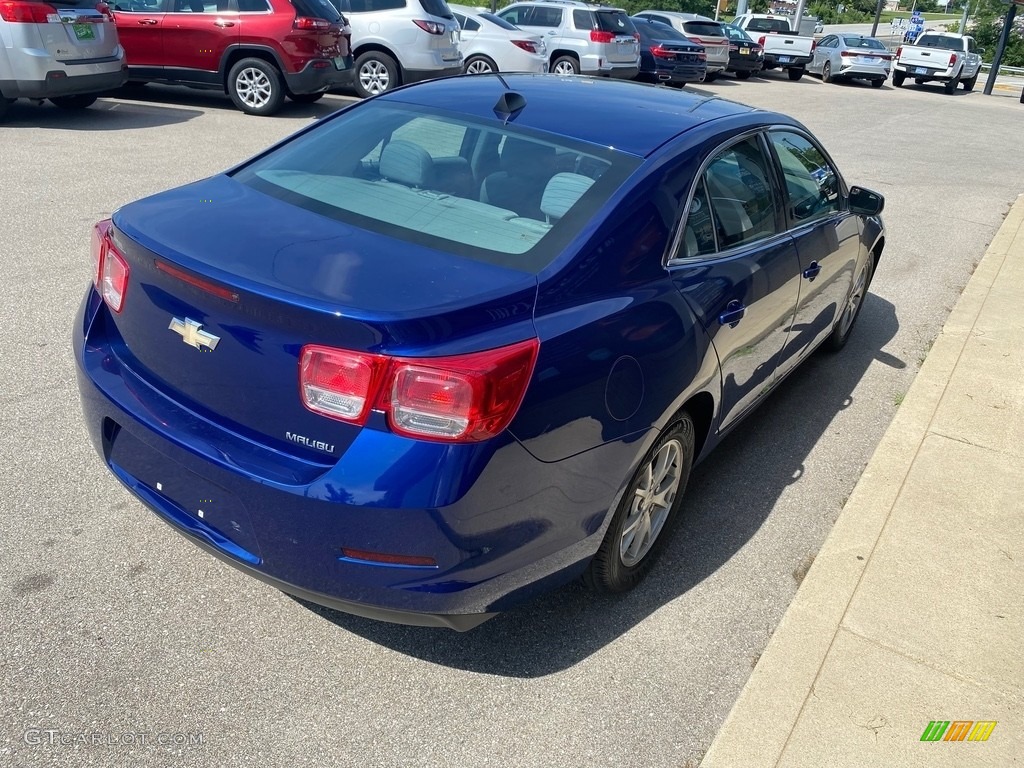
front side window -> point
(812, 184)
(408, 174)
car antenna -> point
(510, 103)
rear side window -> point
(317, 9)
(538, 16)
(704, 29)
(583, 19)
(403, 173)
(812, 185)
(616, 22)
(254, 6)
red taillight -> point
(600, 36)
(702, 56)
(27, 12)
(310, 23)
(899, 51)
(104, 9)
(527, 45)
(814, 44)
(110, 270)
(388, 558)
(733, 47)
(204, 285)
(338, 383)
(461, 398)
(846, 54)
(952, 59)
(886, 57)
(661, 53)
(431, 27)
(761, 40)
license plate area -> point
(920, 71)
(84, 32)
(784, 59)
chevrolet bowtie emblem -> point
(192, 333)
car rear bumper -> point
(865, 71)
(59, 82)
(924, 73)
(319, 75)
(499, 525)
(675, 75)
(773, 60)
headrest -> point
(562, 192)
(522, 157)
(406, 163)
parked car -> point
(67, 56)
(944, 57)
(453, 346)
(848, 57)
(746, 57)
(667, 56)
(491, 44)
(258, 54)
(782, 46)
(397, 42)
(701, 30)
(581, 38)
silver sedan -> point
(839, 57)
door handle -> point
(223, 23)
(733, 313)
(147, 22)
(812, 271)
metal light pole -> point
(1007, 25)
(878, 15)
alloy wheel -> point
(653, 495)
(374, 77)
(254, 87)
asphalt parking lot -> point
(125, 645)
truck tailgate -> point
(918, 56)
(776, 44)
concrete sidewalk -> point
(914, 609)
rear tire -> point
(950, 86)
(744, 75)
(794, 73)
(898, 78)
(76, 102)
(971, 82)
(255, 87)
(826, 72)
(645, 512)
(710, 77)
(565, 65)
(877, 83)
(306, 98)
(376, 73)
(851, 310)
(480, 65)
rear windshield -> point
(938, 41)
(437, 8)
(614, 21)
(655, 31)
(863, 42)
(481, 190)
(704, 28)
(498, 20)
(316, 9)
(768, 25)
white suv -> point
(395, 42)
(67, 56)
(581, 38)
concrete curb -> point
(762, 721)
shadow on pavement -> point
(161, 95)
(105, 115)
(730, 496)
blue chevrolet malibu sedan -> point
(462, 342)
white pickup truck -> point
(782, 48)
(943, 56)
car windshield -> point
(939, 41)
(863, 42)
(415, 175)
(656, 31)
(704, 28)
(498, 21)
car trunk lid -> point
(73, 30)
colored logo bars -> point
(958, 730)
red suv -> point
(257, 51)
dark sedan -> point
(667, 56)
(450, 347)
(746, 57)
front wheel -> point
(480, 65)
(898, 78)
(565, 65)
(851, 310)
(255, 87)
(376, 73)
(79, 101)
(650, 503)
(795, 73)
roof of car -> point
(627, 116)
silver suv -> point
(701, 30)
(67, 56)
(401, 41)
(581, 38)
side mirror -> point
(865, 202)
